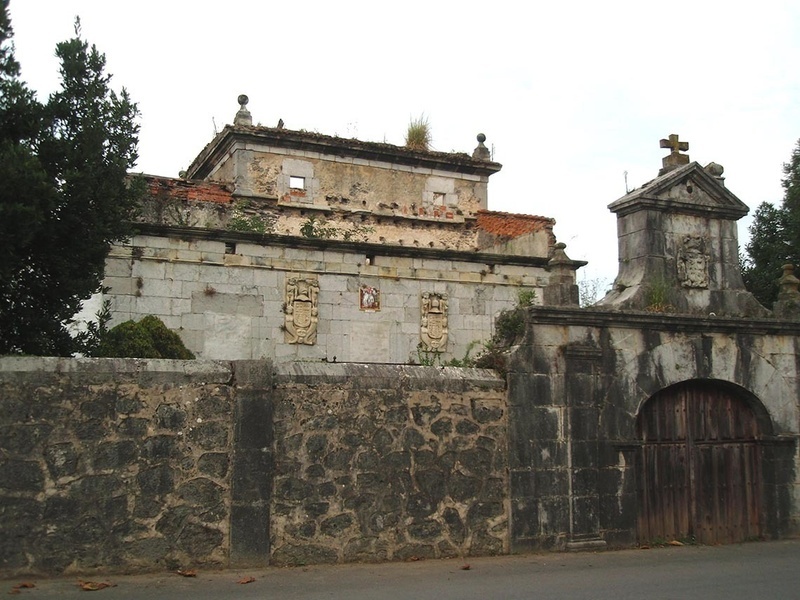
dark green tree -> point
(65, 196)
(774, 237)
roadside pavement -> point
(752, 571)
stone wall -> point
(580, 379)
(228, 300)
(113, 464)
(110, 464)
(377, 463)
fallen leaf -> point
(244, 580)
(675, 543)
(644, 547)
(93, 586)
(25, 584)
(465, 567)
(187, 572)
(413, 558)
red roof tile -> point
(188, 190)
(512, 225)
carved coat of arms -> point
(433, 330)
(301, 311)
(693, 262)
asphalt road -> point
(752, 571)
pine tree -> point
(774, 237)
(65, 196)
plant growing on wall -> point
(244, 218)
(320, 229)
(418, 134)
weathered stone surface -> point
(62, 459)
(199, 540)
(167, 475)
(115, 455)
(334, 526)
(170, 416)
(21, 476)
(214, 464)
(201, 492)
(304, 554)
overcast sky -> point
(571, 95)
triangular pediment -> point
(689, 189)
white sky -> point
(570, 95)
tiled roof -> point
(192, 190)
(512, 225)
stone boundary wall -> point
(388, 463)
(134, 465)
(113, 464)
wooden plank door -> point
(699, 466)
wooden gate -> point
(699, 466)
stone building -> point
(292, 245)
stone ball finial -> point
(243, 116)
(481, 152)
(714, 169)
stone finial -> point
(243, 117)
(789, 285)
(788, 303)
(675, 159)
(561, 289)
(481, 152)
(716, 171)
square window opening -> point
(297, 183)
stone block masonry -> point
(135, 465)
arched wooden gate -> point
(699, 466)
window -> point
(297, 183)
(438, 198)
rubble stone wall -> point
(124, 464)
(377, 463)
(113, 464)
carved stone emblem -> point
(693, 262)
(301, 311)
(433, 330)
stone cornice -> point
(365, 248)
(660, 321)
(227, 140)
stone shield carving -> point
(301, 311)
(693, 262)
(433, 329)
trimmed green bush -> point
(149, 338)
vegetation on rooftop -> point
(418, 134)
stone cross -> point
(675, 159)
